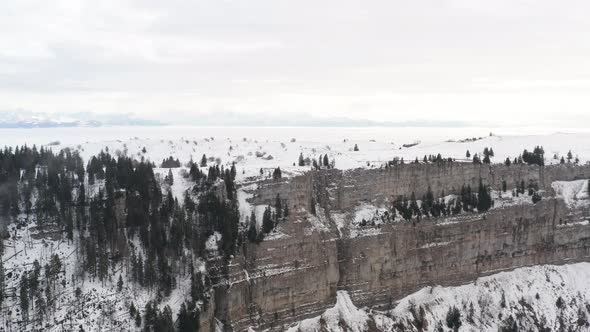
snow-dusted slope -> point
(266, 148)
(99, 306)
(540, 298)
(572, 192)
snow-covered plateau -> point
(535, 298)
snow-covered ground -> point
(253, 149)
(574, 193)
(99, 306)
(256, 149)
(552, 297)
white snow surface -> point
(530, 295)
(343, 311)
(572, 192)
(240, 144)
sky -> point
(501, 62)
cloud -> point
(382, 60)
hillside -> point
(116, 235)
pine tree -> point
(569, 156)
(186, 323)
(24, 296)
(278, 206)
(120, 284)
(82, 195)
(267, 223)
(326, 161)
(2, 285)
(301, 161)
(170, 177)
(356, 147)
(476, 159)
(138, 320)
(484, 202)
(467, 154)
(252, 233)
(204, 161)
(277, 174)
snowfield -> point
(536, 297)
(540, 298)
(574, 193)
(255, 149)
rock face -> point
(296, 276)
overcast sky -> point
(506, 62)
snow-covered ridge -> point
(27, 119)
(540, 298)
(572, 192)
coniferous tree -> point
(2, 285)
(301, 161)
(267, 223)
(187, 322)
(278, 206)
(170, 178)
(326, 161)
(484, 201)
(24, 297)
(277, 174)
(252, 233)
(120, 284)
(204, 161)
(467, 154)
(476, 159)
(82, 195)
(356, 147)
(453, 318)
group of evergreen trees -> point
(487, 153)
(170, 163)
(433, 159)
(431, 207)
(270, 219)
(321, 162)
(123, 201)
(570, 156)
(534, 158)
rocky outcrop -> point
(297, 275)
(342, 190)
(379, 269)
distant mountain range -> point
(28, 119)
(278, 119)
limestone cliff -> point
(295, 276)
